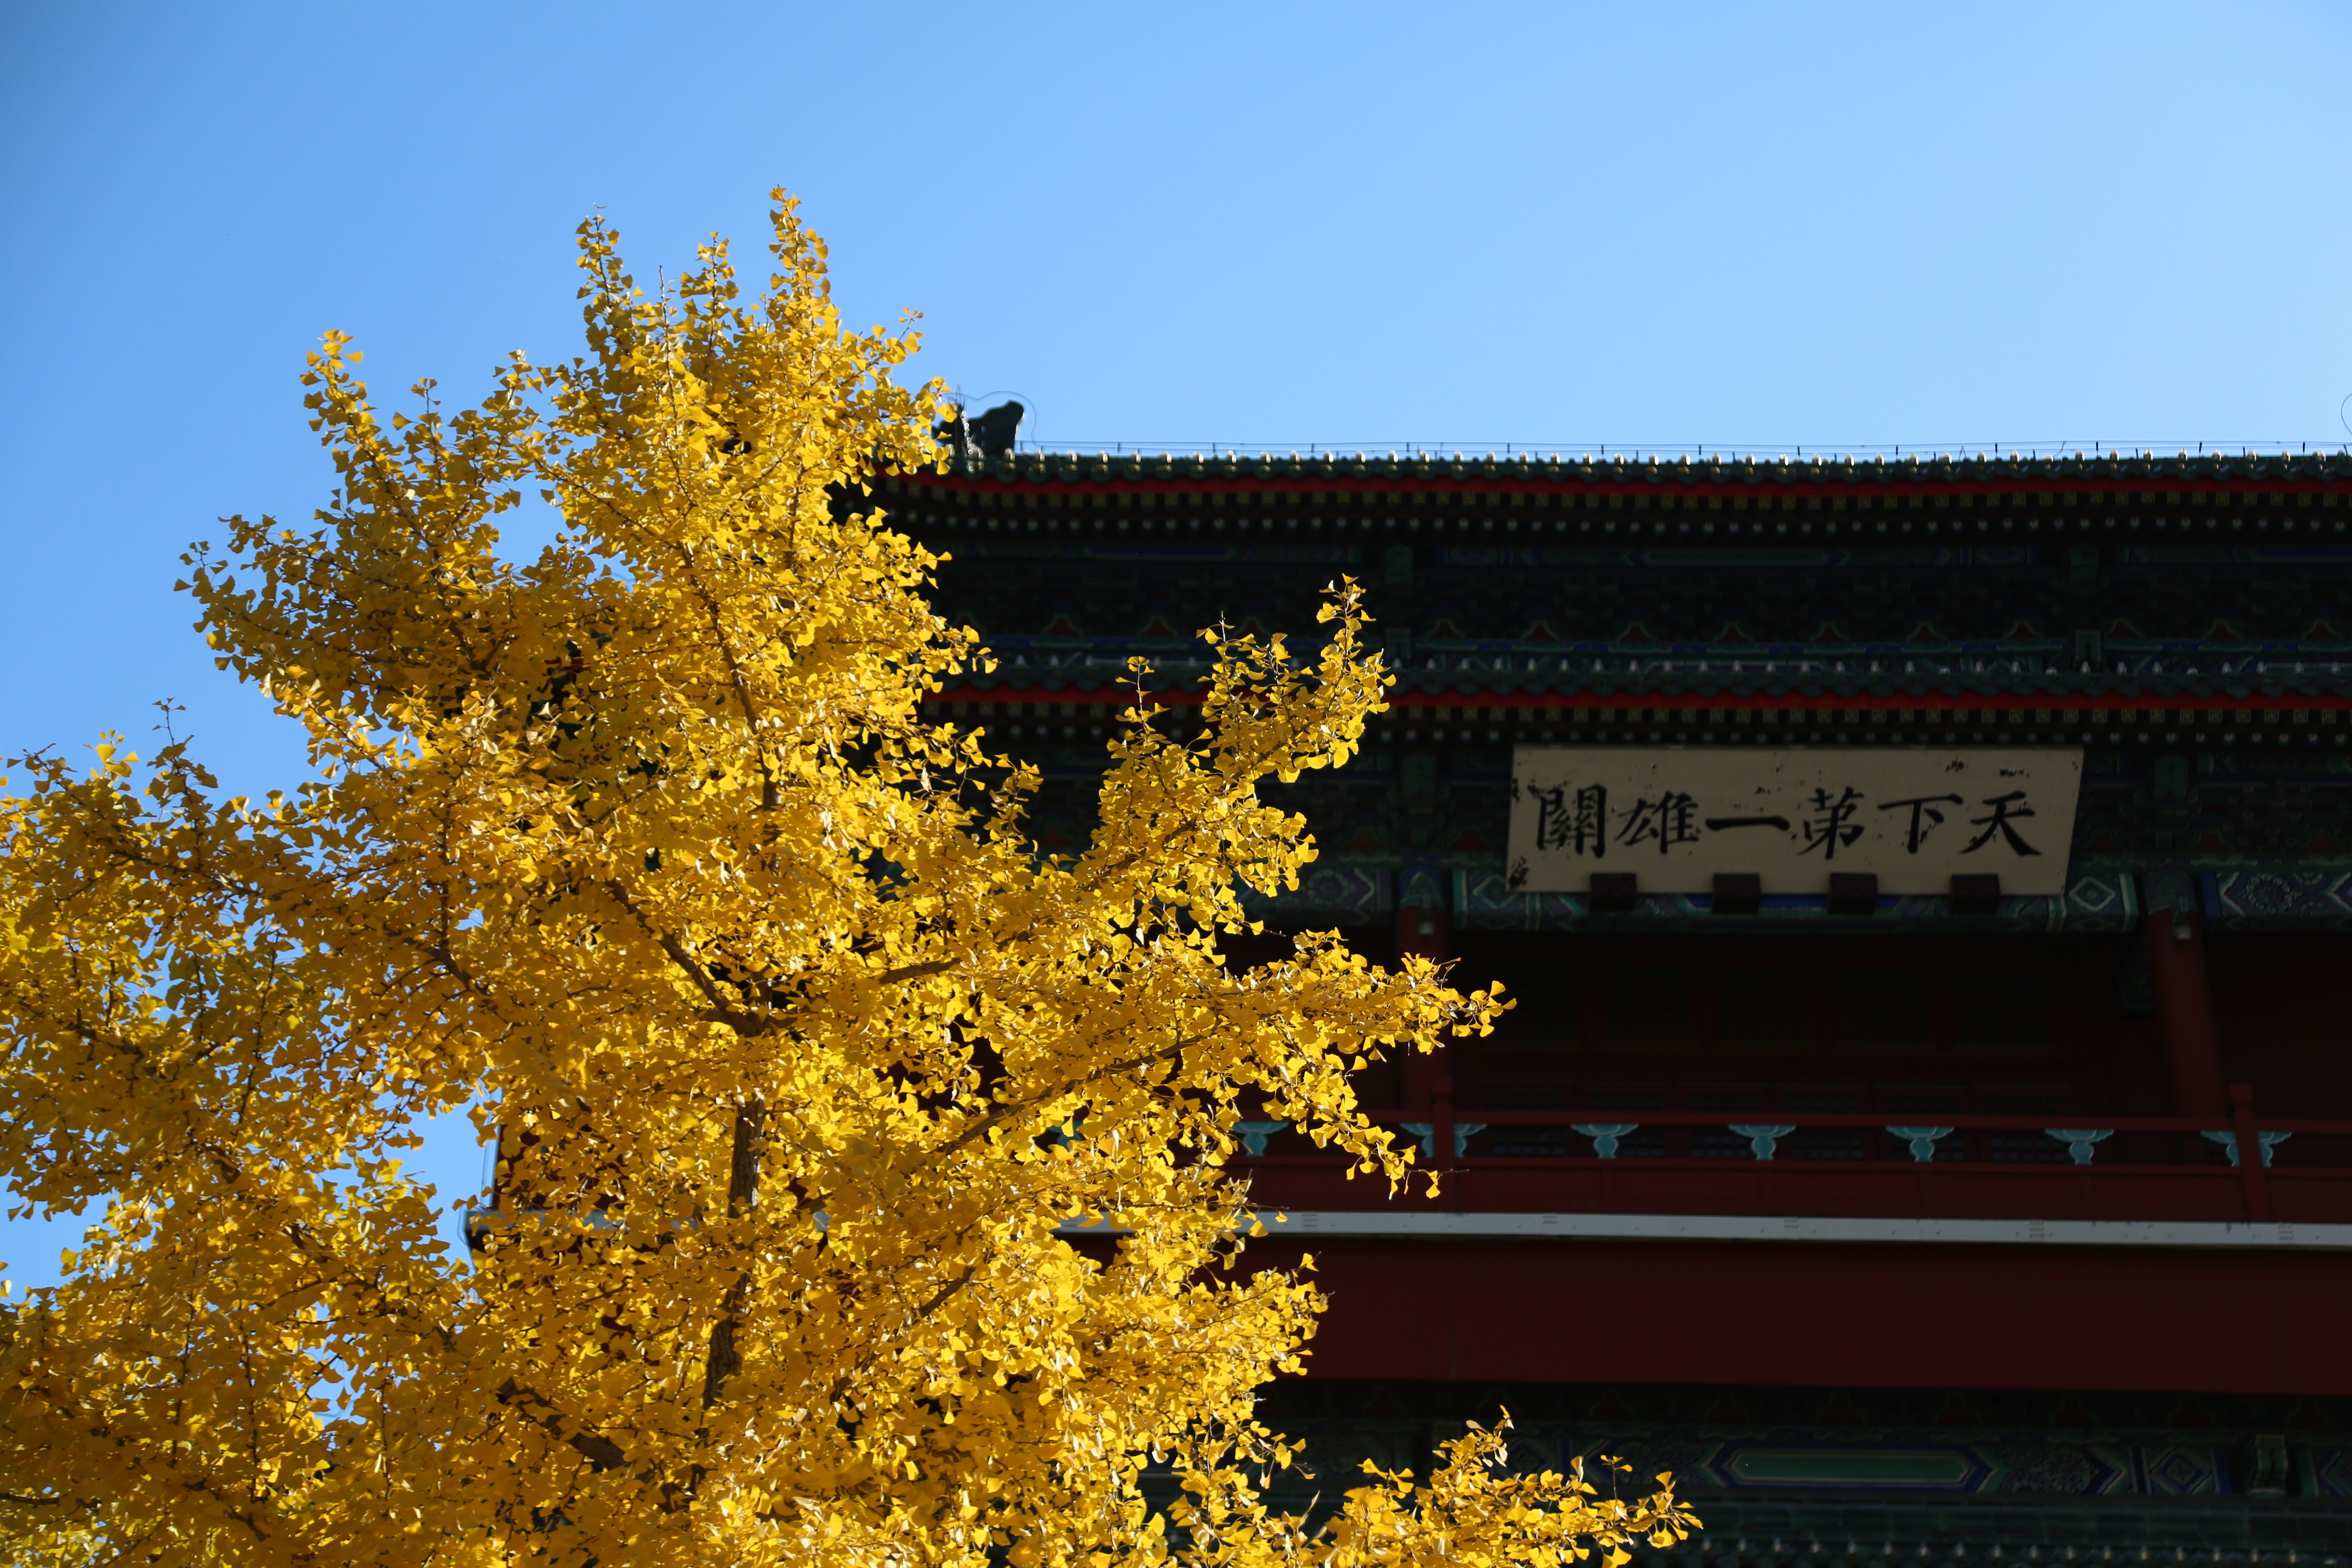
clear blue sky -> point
(1354, 226)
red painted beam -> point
(1830, 1315)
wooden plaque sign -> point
(1676, 816)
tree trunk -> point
(742, 1196)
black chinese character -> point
(1717, 824)
(1999, 822)
(1668, 820)
(1572, 820)
(1831, 826)
(1922, 806)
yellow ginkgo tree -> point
(798, 1055)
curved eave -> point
(2054, 694)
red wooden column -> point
(1420, 927)
(2249, 1152)
(2184, 1011)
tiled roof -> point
(1521, 520)
(1709, 503)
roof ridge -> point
(1075, 465)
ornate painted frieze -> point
(1790, 1474)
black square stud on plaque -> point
(1738, 893)
(1853, 892)
(1611, 894)
(1976, 895)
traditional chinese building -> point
(1926, 1123)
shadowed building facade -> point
(1925, 1126)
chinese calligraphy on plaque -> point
(1676, 816)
